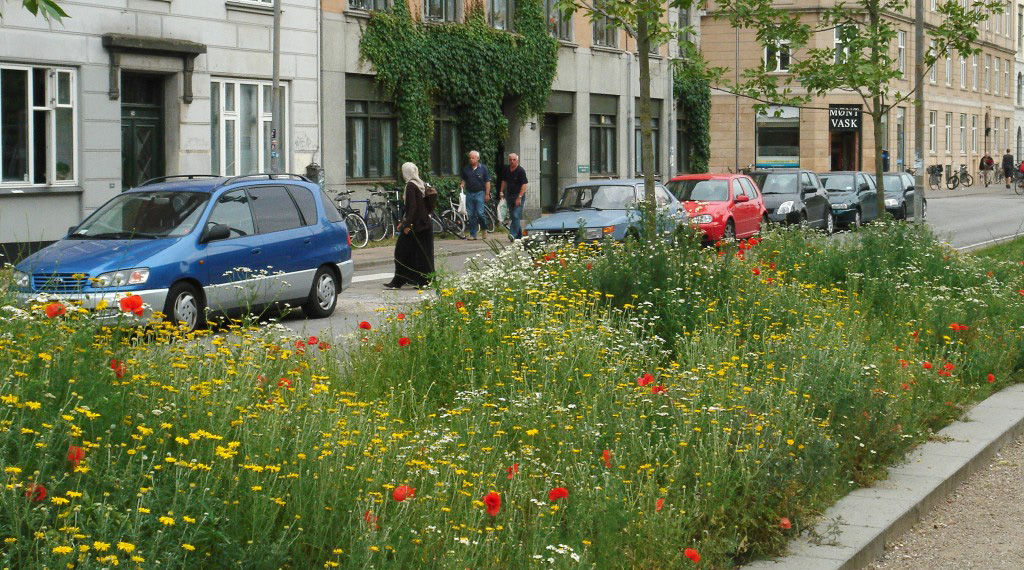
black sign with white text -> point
(844, 118)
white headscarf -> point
(412, 174)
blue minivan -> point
(188, 244)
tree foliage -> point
(471, 68)
(48, 9)
(692, 92)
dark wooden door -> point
(142, 129)
(549, 166)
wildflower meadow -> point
(578, 406)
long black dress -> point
(414, 251)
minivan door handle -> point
(256, 251)
(307, 241)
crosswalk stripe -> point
(371, 277)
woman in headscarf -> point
(414, 251)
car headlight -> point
(785, 208)
(891, 203)
(840, 206)
(121, 278)
(598, 233)
(701, 219)
(21, 279)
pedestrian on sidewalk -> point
(513, 190)
(414, 250)
(476, 183)
(1008, 165)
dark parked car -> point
(852, 195)
(794, 196)
(899, 195)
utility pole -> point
(919, 168)
(275, 105)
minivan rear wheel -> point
(184, 307)
(323, 295)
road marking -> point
(372, 277)
(986, 242)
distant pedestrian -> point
(1008, 164)
(476, 182)
(885, 160)
(513, 190)
(985, 166)
(414, 250)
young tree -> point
(48, 9)
(862, 61)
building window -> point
(974, 133)
(603, 157)
(777, 138)
(445, 153)
(998, 78)
(38, 134)
(1020, 89)
(933, 5)
(605, 33)
(370, 5)
(776, 57)
(842, 50)
(1006, 133)
(985, 80)
(1020, 144)
(901, 52)
(963, 132)
(439, 10)
(682, 147)
(949, 70)
(1008, 15)
(372, 139)
(995, 134)
(933, 72)
(684, 22)
(241, 114)
(499, 14)
(559, 24)
(963, 73)
(949, 132)
(901, 138)
(638, 163)
(1006, 77)
(974, 63)
(932, 117)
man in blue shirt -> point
(476, 183)
(513, 190)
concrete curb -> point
(870, 517)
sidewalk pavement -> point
(994, 188)
(384, 256)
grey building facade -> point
(127, 90)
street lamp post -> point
(919, 169)
(275, 104)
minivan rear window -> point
(306, 202)
(330, 210)
(274, 209)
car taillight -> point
(349, 236)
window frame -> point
(509, 6)
(963, 132)
(974, 133)
(256, 215)
(901, 52)
(986, 79)
(444, 121)
(448, 13)
(963, 73)
(933, 73)
(998, 83)
(50, 109)
(373, 120)
(933, 116)
(559, 25)
(638, 140)
(949, 132)
(263, 116)
(370, 5)
(949, 70)
(1006, 78)
(602, 25)
(781, 54)
(974, 63)
(606, 132)
(840, 47)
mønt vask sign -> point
(844, 118)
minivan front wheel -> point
(184, 307)
(323, 295)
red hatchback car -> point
(724, 206)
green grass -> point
(782, 374)
(1012, 250)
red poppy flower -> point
(1020, 291)
(591, 266)
(771, 265)
(512, 470)
(459, 304)
(118, 367)
(403, 492)
(926, 365)
(364, 325)
(55, 310)
(692, 554)
(312, 341)
(324, 345)
(400, 316)
(75, 455)
(991, 378)
(644, 380)
(404, 341)
(132, 304)
(903, 363)
(769, 281)
(284, 382)
(944, 373)
(300, 346)
(756, 270)
(658, 505)
(949, 366)
(558, 493)
(371, 519)
(492, 501)
(607, 457)
(659, 389)
(784, 523)
(904, 386)
(915, 333)
(36, 493)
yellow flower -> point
(10, 540)
(531, 432)
(168, 521)
(126, 546)
(12, 470)
(188, 547)
(101, 546)
(62, 550)
(188, 519)
(144, 510)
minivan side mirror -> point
(214, 233)
(742, 198)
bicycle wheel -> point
(1018, 186)
(490, 217)
(933, 181)
(356, 230)
(952, 182)
(375, 224)
(966, 180)
(456, 223)
(436, 224)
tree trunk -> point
(643, 43)
(877, 110)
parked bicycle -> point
(963, 177)
(934, 176)
(1018, 182)
(357, 230)
(446, 218)
(391, 207)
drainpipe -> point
(629, 114)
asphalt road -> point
(966, 221)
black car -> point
(899, 195)
(852, 195)
(794, 196)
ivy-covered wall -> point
(693, 95)
(471, 68)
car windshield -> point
(598, 197)
(775, 182)
(144, 215)
(838, 182)
(700, 190)
(893, 184)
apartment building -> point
(126, 90)
(1018, 112)
(589, 128)
(968, 102)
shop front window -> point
(778, 138)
